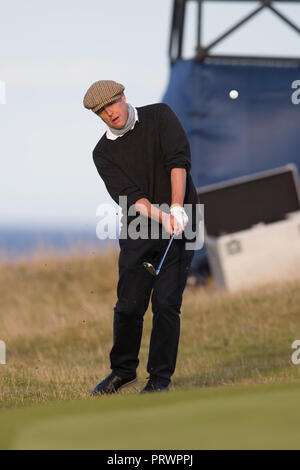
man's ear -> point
(123, 97)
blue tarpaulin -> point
(257, 131)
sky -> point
(52, 51)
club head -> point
(149, 268)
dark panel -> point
(239, 205)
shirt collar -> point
(112, 136)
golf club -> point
(150, 268)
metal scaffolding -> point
(201, 51)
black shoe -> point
(112, 384)
(154, 385)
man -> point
(144, 156)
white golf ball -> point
(233, 94)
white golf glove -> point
(180, 217)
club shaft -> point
(167, 249)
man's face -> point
(115, 114)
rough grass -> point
(56, 319)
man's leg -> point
(134, 291)
(166, 303)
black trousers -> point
(134, 291)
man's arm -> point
(144, 207)
(178, 182)
(177, 160)
(175, 146)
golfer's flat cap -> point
(102, 93)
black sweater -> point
(138, 164)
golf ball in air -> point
(233, 94)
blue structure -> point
(229, 138)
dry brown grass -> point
(56, 319)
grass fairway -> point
(238, 417)
(234, 385)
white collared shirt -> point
(112, 136)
